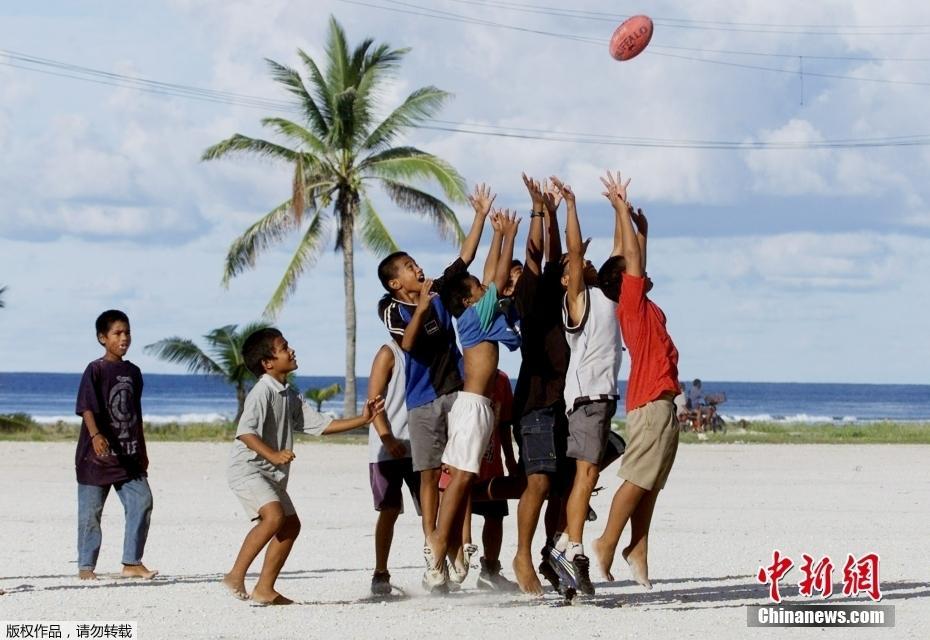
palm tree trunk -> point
(350, 408)
(240, 397)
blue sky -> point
(775, 265)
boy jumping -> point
(259, 463)
(653, 383)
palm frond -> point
(239, 143)
(270, 229)
(337, 57)
(308, 250)
(308, 105)
(409, 163)
(438, 212)
(419, 105)
(322, 91)
(373, 233)
(184, 352)
(297, 133)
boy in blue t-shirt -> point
(481, 327)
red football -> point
(631, 37)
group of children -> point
(441, 417)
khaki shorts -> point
(652, 441)
(256, 491)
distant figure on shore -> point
(703, 412)
(111, 450)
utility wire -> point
(56, 68)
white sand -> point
(725, 509)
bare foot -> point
(526, 576)
(236, 587)
(638, 567)
(138, 571)
(269, 598)
(604, 555)
(87, 574)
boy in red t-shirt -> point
(652, 426)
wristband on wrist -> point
(536, 214)
(95, 435)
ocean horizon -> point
(186, 398)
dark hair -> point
(456, 291)
(696, 383)
(387, 269)
(609, 277)
(258, 346)
(106, 319)
(515, 263)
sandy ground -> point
(726, 508)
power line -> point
(56, 68)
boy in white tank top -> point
(593, 336)
(390, 465)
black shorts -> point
(490, 508)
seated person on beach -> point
(259, 463)
(701, 411)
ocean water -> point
(50, 397)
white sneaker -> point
(457, 574)
(435, 579)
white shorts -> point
(256, 491)
(471, 421)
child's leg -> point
(271, 519)
(91, 499)
(384, 536)
(449, 524)
(278, 550)
(429, 499)
(136, 497)
(492, 537)
(637, 551)
(622, 506)
(466, 523)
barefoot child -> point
(390, 465)
(651, 417)
(481, 327)
(259, 463)
(111, 450)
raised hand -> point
(509, 222)
(552, 197)
(616, 190)
(536, 194)
(482, 199)
(423, 301)
(496, 224)
(564, 189)
(639, 218)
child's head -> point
(113, 332)
(266, 351)
(400, 272)
(589, 273)
(697, 383)
(461, 291)
(516, 270)
(610, 277)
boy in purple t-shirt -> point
(111, 450)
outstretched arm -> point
(642, 230)
(576, 248)
(494, 251)
(481, 202)
(373, 407)
(616, 193)
(509, 224)
(382, 370)
(553, 235)
(534, 240)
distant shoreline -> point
(19, 427)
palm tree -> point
(319, 396)
(225, 358)
(336, 151)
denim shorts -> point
(542, 435)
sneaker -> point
(435, 579)
(458, 574)
(490, 577)
(563, 569)
(381, 583)
(581, 565)
(546, 570)
(592, 515)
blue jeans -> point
(137, 505)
